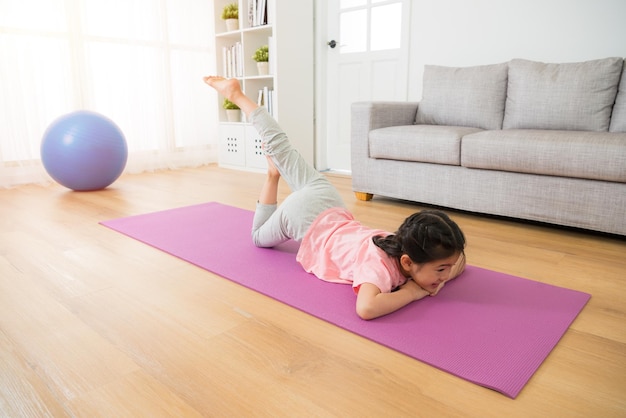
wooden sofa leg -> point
(363, 196)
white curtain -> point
(138, 62)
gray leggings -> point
(311, 192)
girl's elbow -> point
(367, 304)
(366, 312)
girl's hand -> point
(416, 290)
(372, 303)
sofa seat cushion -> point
(422, 143)
(579, 154)
(463, 96)
(571, 96)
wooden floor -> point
(93, 323)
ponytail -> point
(424, 236)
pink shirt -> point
(339, 249)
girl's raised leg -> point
(311, 193)
(296, 172)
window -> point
(373, 25)
(138, 62)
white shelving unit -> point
(289, 35)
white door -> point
(366, 58)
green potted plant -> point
(233, 113)
(262, 56)
(230, 15)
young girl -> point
(387, 271)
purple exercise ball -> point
(84, 151)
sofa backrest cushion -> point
(463, 96)
(618, 117)
(569, 96)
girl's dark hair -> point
(424, 236)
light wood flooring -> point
(93, 323)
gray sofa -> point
(522, 139)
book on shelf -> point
(257, 13)
(265, 98)
(232, 60)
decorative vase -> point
(233, 115)
(232, 24)
(263, 67)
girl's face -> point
(429, 275)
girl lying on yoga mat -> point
(387, 270)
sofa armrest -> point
(374, 115)
(367, 116)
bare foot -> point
(227, 87)
(230, 89)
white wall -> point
(477, 32)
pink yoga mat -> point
(489, 328)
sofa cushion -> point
(618, 117)
(423, 143)
(463, 96)
(588, 155)
(570, 96)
